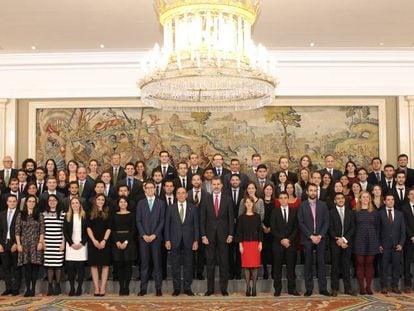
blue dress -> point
(366, 239)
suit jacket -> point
(165, 199)
(186, 232)
(251, 174)
(171, 172)
(282, 230)
(236, 204)
(224, 172)
(335, 225)
(409, 221)
(305, 218)
(203, 198)
(244, 180)
(3, 227)
(88, 189)
(260, 193)
(391, 234)
(384, 186)
(396, 193)
(137, 191)
(221, 226)
(372, 178)
(323, 195)
(121, 175)
(200, 171)
(13, 174)
(151, 222)
(68, 231)
(112, 193)
(335, 175)
(178, 183)
(3, 200)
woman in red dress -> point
(250, 236)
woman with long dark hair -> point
(269, 205)
(251, 191)
(141, 171)
(51, 168)
(30, 231)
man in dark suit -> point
(181, 239)
(217, 230)
(284, 228)
(262, 179)
(194, 166)
(86, 186)
(392, 240)
(73, 193)
(235, 170)
(400, 191)
(168, 193)
(284, 167)
(13, 190)
(409, 172)
(116, 170)
(29, 166)
(22, 177)
(110, 189)
(329, 168)
(40, 180)
(362, 175)
(150, 222)
(218, 168)
(182, 177)
(236, 192)
(313, 219)
(408, 211)
(341, 232)
(157, 178)
(51, 184)
(8, 172)
(167, 170)
(388, 182)
(377, 175)
(321, 193)
(134, 185)
(198, 196)
(8, 247)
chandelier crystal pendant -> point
(208, 61)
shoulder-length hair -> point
(267, 185)
(58, 208)
(54, 167)
(247, 186)
(358, 206)
(289, 182)
(25, 211)
(245, 198)
(70, 213)
(95, 212)
(300, 180)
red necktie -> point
(216, 205)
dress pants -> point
(182, 256)
(199, 259)
(340, 265)
(234, 260)
(217, 251)
(319, 249)
(283, 255)
(408, 259)
(148, 251)
(12, 273)
(391, 261)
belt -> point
(122, 232)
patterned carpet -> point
(234, 302)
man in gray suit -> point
(181, 239)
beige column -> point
(8, 128)
(406, 126)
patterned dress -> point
(30, 231)
(53, 239)
(366, 239)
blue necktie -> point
(150, 204)
(130, 183)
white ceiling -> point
(79, 25)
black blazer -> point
(224, 172)
(219, 227)
(409, 221)
(335, 225)
(203, 198)
(171, 172)
(200, 171)
(244, 180)
(88, 189)
(3, 227)
(68, 230)
(282, 230)
(372, 178)
(3, 200)
(137, 191)
(178, 183)
(237, 204)
(305, 218)
(384, 186)
(13, 174)
(187, 232)
(393, 234)
(396, 193)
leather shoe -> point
(142, 293)
(7, 292)
(350, 293)
(407, 290)
(308, 293)
(325, 293)
(158, 293)
(276, 294)
(293, 293)
(15, 293)
(224, 292)
(176, 293)
(209, 293)
(189, 292)
(334, 293)
(395, 290)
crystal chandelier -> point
(208, 61)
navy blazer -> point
(372, 178)
(392, 234)
(150, 222)
(306, 220)
(187, 232)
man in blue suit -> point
(181, 239)
(150, 222)
(313, 218)
(392, 239)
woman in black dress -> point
(269, 204)
(366, 244)
(250, 236)
(99, 250)
(124, 250)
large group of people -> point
(77, 218)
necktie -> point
(284, 215)
(196, 200)
(169, 201)
(40, 185)
(115, 176)
(341, 214)
(216, 205)
(21, 188)
(401, 194)
(389, 185)
(390, 220)
(378, 176)
(80, 188)
(129, 183)
(158, 190)
(313, 209)
(150, 204)
(7, 177)
(164, 171)
(261, 185)
(234, 196)
(183, 183)
(181, 212)
(219, 172)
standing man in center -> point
(313, 219)
(217, 229)
(150, 222)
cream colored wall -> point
(391, 128)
